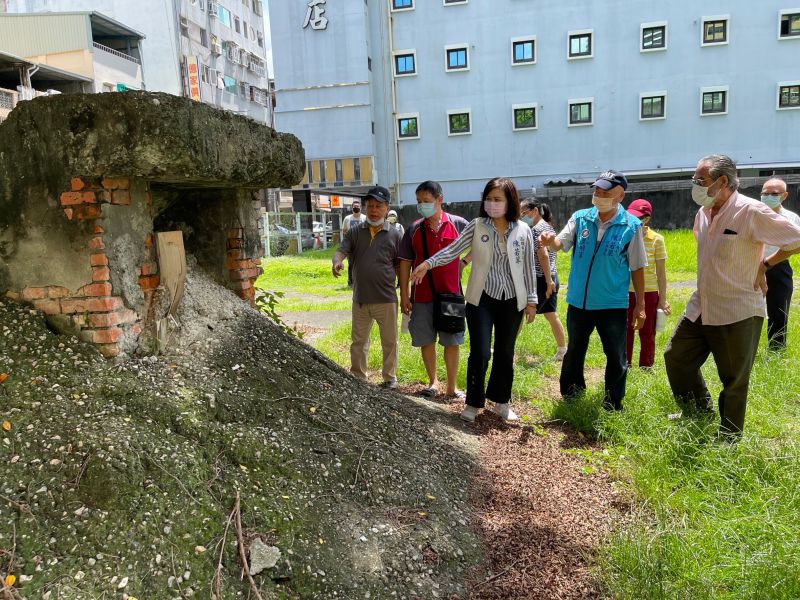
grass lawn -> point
(710, 520)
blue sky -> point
(268, 38)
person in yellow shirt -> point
(655, 287)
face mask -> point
(377, 223)
(603, 204)
(527, 220)
(356, 210)
(495, 209)
(392, 220)
(700, 195)
(426, 209)
(771, 200)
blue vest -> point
(599, 274)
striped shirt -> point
(538, 229)
(729, 251)
(499, 284)
(656, 250)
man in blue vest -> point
(607, 253)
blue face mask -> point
(426, 209)
(771, 200)
(527, 220)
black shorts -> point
(549, 305)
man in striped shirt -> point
(725, 315)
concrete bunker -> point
(87, 182)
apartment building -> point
(546, 93)
(212, 51)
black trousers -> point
(779, 297)
(734, 348)
(505, 319)
(612, 327)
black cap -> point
(609, 179)
(379, 193)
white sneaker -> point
(504, 410)
(560, 354)
(469, 413)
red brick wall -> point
(243, 270)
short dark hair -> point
(432, 187)
(509, 191)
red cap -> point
(640, 208)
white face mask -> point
(603, 205)
(700, 195)
(377, 223)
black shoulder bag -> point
(449, 310)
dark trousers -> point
(647, 334)
(505, 319)
(350, 272)
(734, 348)
(779, 296)
(611, 324)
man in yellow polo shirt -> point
(655, 287)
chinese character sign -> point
(315, 15)
(192, 78)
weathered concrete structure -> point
(86, 181)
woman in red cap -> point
(655, 286)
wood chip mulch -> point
(540, 515)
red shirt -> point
(445, 277)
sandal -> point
(458, 395)
(428, 392)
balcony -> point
(116, 53)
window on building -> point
(448, 2)
(322, 177)
(524, 116)
(652, 106)
(580, 111)
(202, 4)
(204, 38)
(205, 74)
(405, 63)
(357, 170)
(654, 37)
(223, 15)
(790, 25)
(580, 44)
(184, 27)
(789, 95)
(402, 4)
(369, 63)
(230, 85)
(408, 126)
(715, 101)
(237, 25)
(339, 171)
(260, 40)
(459, 122)
(310, 172)
(715, 30)
(523, 51)
(243, 92)
(457, 58)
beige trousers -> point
(363, 316)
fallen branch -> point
(498, 575)
(242, 554)
(216, 582)
(358, 467)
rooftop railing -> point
(133, 59)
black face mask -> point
(356, 210)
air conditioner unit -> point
(216, 48)
(184, 22)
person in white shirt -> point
(725, 314)
(780, 284)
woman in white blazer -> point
(501, 288)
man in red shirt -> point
(440, 230)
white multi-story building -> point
(213, 51)
(544, 92)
